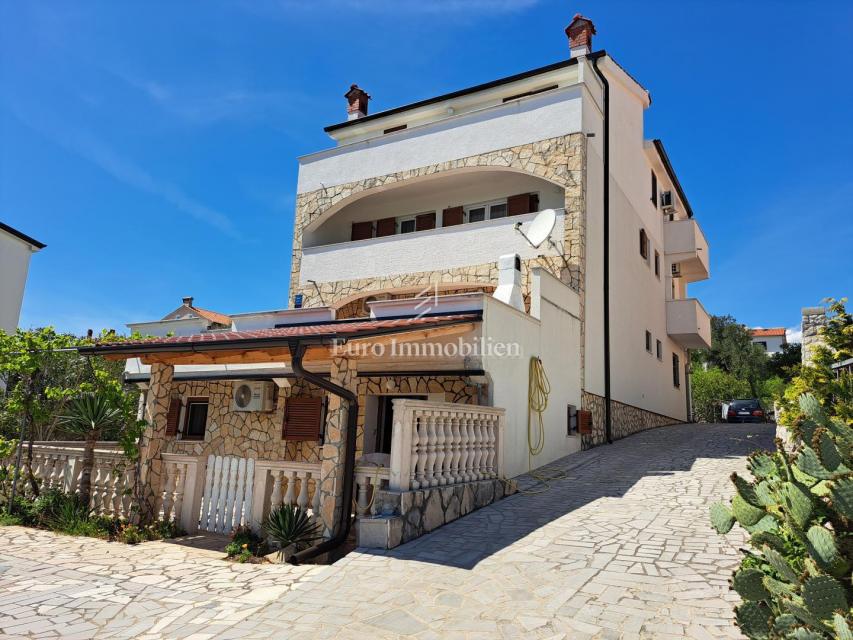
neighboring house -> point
(420, 314)
(771, 340)
(15, 251)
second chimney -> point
(357, 102)
(187, 300)
(580, 32)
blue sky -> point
(153, 145)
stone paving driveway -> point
(618, 548)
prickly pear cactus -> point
(798, 510)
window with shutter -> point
(452, 216)
(522, 203)
(584, 421)
(362, 230)
(425, 221)
(386, 227)
(303, 418)
(173, 416)
(195, 419)
(654, 189)
(644, 244)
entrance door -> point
(385, 421)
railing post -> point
(259, 496)
(401, 447)
(193, 487)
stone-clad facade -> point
(559, 160)
(625, 420)
(814, 319)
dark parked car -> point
(745, 411)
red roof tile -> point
(213, 316)
(342, 328)
(766, 333)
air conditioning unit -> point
(667, 202)
(676, 270)
(249, 395)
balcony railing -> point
(436, 249)
(688, 323)
(441, 443)
(685, 246)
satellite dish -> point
(540, 229)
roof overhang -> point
(322, 341)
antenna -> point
(540, 228)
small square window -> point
(497, 211)
(407, 225)
(649, 341)
(659, 349)
(657, 264)
(477, 214)
(195, 419)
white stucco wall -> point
(555, 338)
(14, 265)
(442, 248)
(637, 295)
(519, 122)
(774, 343)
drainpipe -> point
(606, 275)
(344, 523)
(688, 369)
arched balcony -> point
(448, 221)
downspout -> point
(688, 370)
(344, 523)
(606, 274)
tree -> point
(711, 388)
(90, 416)
(786, 363)
(733, 351)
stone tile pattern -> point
(151, 473)
(559, 160)
(356, 308)
(814, 319)
(333, 451)
(625, 420)
(620, 547)
(246, 434)
(429, 509)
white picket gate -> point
(227, 498)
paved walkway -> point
(618, 548)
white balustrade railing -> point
(368, 480)
(180, 500)
(440, 443)
(59, 465)
(279, 482)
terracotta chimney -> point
(187, 300)
(580, 32)
(357, 99)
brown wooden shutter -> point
(584, 421)
(521, 204)
(452, 216)
(386, 227)
(303, 417)
(362, 230)
(173, 416)
(425, 221)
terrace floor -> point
(619, 547)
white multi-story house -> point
(770, 339)
(16, 248)
(430, 298)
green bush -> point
(244, 545)
(711, 388)
(798, 510)
(289, 525)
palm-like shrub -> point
(798, 510)
(289, 525)
(90, 415)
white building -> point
(771, 340)
(15, 251)
(423, 317)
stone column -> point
(334, 448)
(151, 476)
(814, 319)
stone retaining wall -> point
(626, 419)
